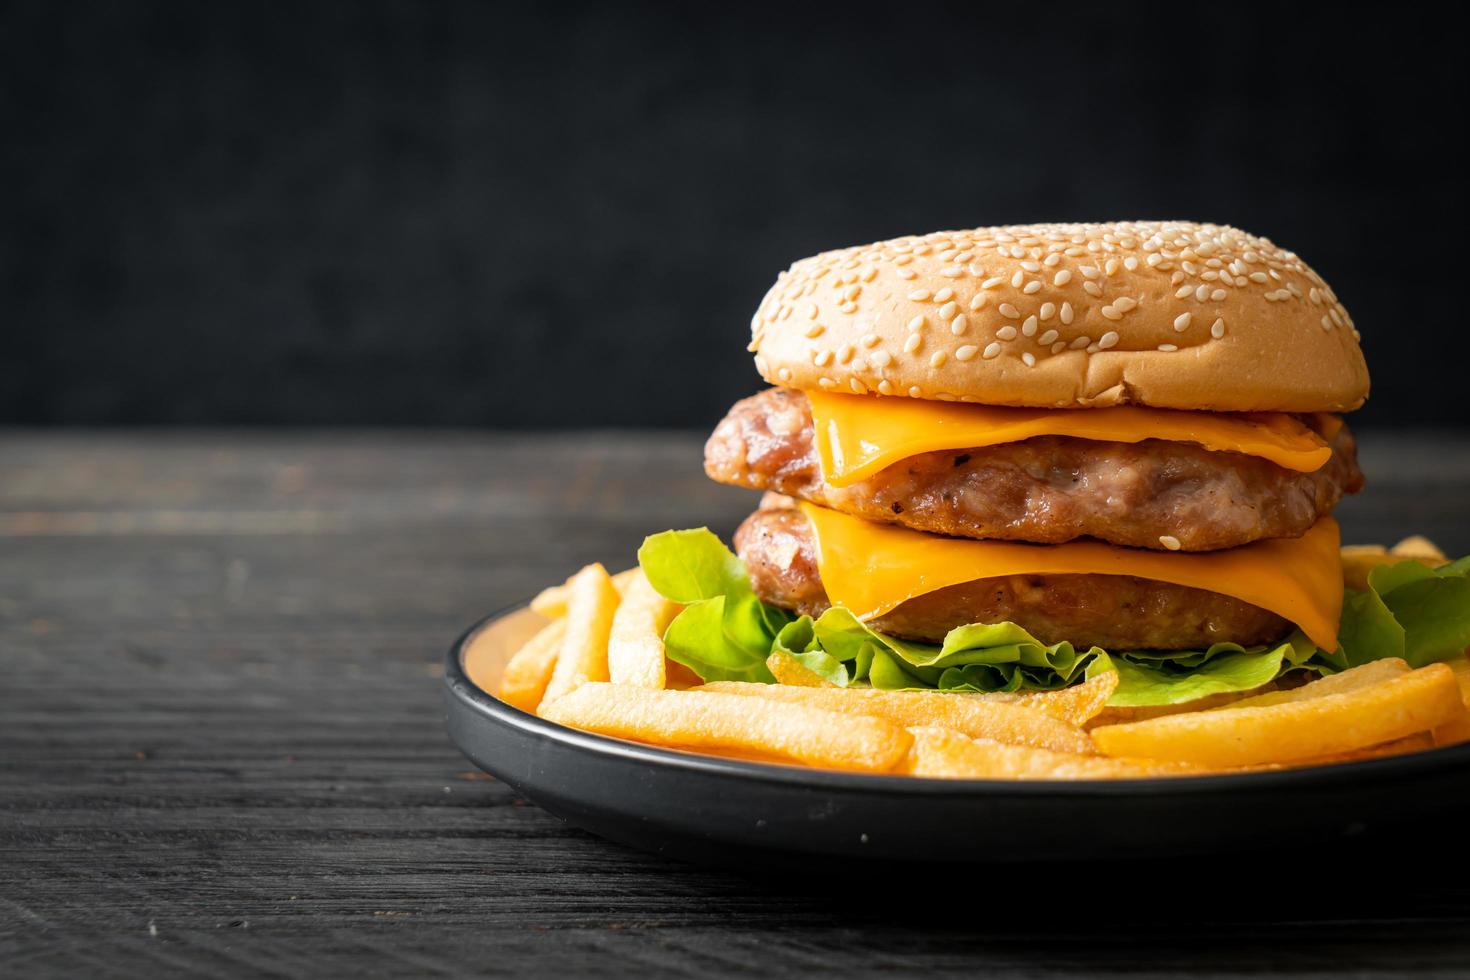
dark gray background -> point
(449, 213)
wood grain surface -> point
(222, 752)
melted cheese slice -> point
(858, 435)
(871, 568)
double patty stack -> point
(1112, 434)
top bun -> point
(1168, 314)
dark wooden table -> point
(221, 743)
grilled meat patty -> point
(1120, 612)
(1048, 489)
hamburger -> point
(1014, 457)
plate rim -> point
(459, 686)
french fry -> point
(998, 720)
(727, 722)
(635, 646)
(1352, 679)
(794, 673)
(943, 754)
(1360, 559)
(1457, 731)
(1077, 704)
(1322, 726)
(551, 601)
(591, 602)
(523, 682)
(1402, 746)
(1419, 547)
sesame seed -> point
(966, 352)
(938, 359)
(1167, 348)
(1181, 322)
(959, 325)
(1259, 277)
(944, 294)
(784, 374)
(992, 282)
(1088, 271)
(1034, 286)
(906, 273)
(1170, 542)
(845, 352)
(827, 383)
(1202, 293)
(948, 310)
(1124, 303)
(1217, 329)
(1081, 342)
(992, 350)
(916, 392)
(815, 330)
(1009, 312)
(1017, 279)
(1111, 312)
(1029, 327)
(1093, 289)
(885, 387)
(1111, 267)
(870, 340)
(1058, 347)
(978, 301)
(920, 295)
(823, 358)
(1028, 358)
(869, 273)
(858, 388)
(1183, 291)
(1109, 339)
(1047, 310)
(914, 342)
(1326, 322)
(1217, 295)
(1062, 277)
(1047, 338)
(1006, 333)
(918, 322)
(882, 358)
(1066, 314)
(952, 271)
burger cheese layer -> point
(872, 568)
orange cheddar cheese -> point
(858, 435)
(871, 568)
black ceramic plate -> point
(725, 811)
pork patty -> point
(1120, 612)
(1048, 489)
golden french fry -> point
(1402, 746)
(794, 673)
(1420, 547)
(1360, 559)
(1457, 731)
(591, 602)
(1117, 716)
(940, 753)
(635, 646)
(526, 674)
(1352, 679)
(726, 722)
(1077, 704)
(999, 720)
(1322, 726)
(551, 601)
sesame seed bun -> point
(1166, 314)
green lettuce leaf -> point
(726, 633)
